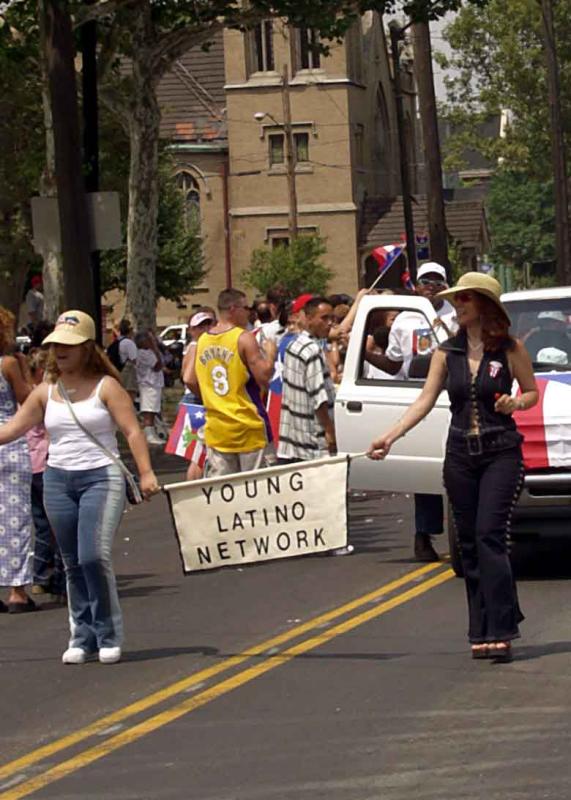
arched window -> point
(188, 185)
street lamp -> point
(290, 155)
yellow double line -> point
(271, 660)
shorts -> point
(129, 377)
(150, 399)
(220, 463)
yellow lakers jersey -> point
(236, 420)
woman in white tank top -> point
(84, 490)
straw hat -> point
(477, 282)
(72, 327)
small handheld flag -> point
(187, 435)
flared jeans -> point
(84, 508)
(483, 489)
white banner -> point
(266, 514)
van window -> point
(544, 326)
(401, 336)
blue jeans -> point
(48, 564)
(84, 508)
(429, 514)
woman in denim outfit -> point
(84, 490)
(483, 467)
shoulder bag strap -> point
(117, 461)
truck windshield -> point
(544, 326)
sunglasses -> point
(464, 297)
(428, 282)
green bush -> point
(297, 267)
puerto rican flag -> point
(275, 389)
(546, 427)
(386, 256)
(187, 435)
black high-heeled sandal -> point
(502, 654)
(480, 651)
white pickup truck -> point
(366, 406)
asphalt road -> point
(346, 678)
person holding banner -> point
(307, 430)
(409, 338)
(227, 372)
(81, 403)
(483, 467)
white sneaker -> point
(343, 551)
(151, 436)
(74, 655)
(109, 655)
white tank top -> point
(70, 448)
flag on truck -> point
(546, 428)
(187, 435)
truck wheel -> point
(455, 560)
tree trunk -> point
(142, 231)
(75, 234)
(53, 274)
(431, 141)
(558, 155)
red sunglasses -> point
(464, 297)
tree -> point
(498, 63)
(21, 154)
(180, 264)
(297, 267)
(522, 219)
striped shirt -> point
(307, 385)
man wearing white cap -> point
(410, 334)
(411, 337)
(551, 331)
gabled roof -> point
(192, 98)
(383, 221)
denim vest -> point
(473, 398)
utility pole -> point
(431, 139)
(397, 35)
(72, 204)
(562, 238)
(91, 143)
(290, 156)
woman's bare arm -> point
(15, 370)
(120, 407)
(29, 414)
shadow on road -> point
(169, 652)
(544, 560)
(530, 651)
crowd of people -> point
(265, 374)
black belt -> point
(478, 443)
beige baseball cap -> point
(72, 327)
